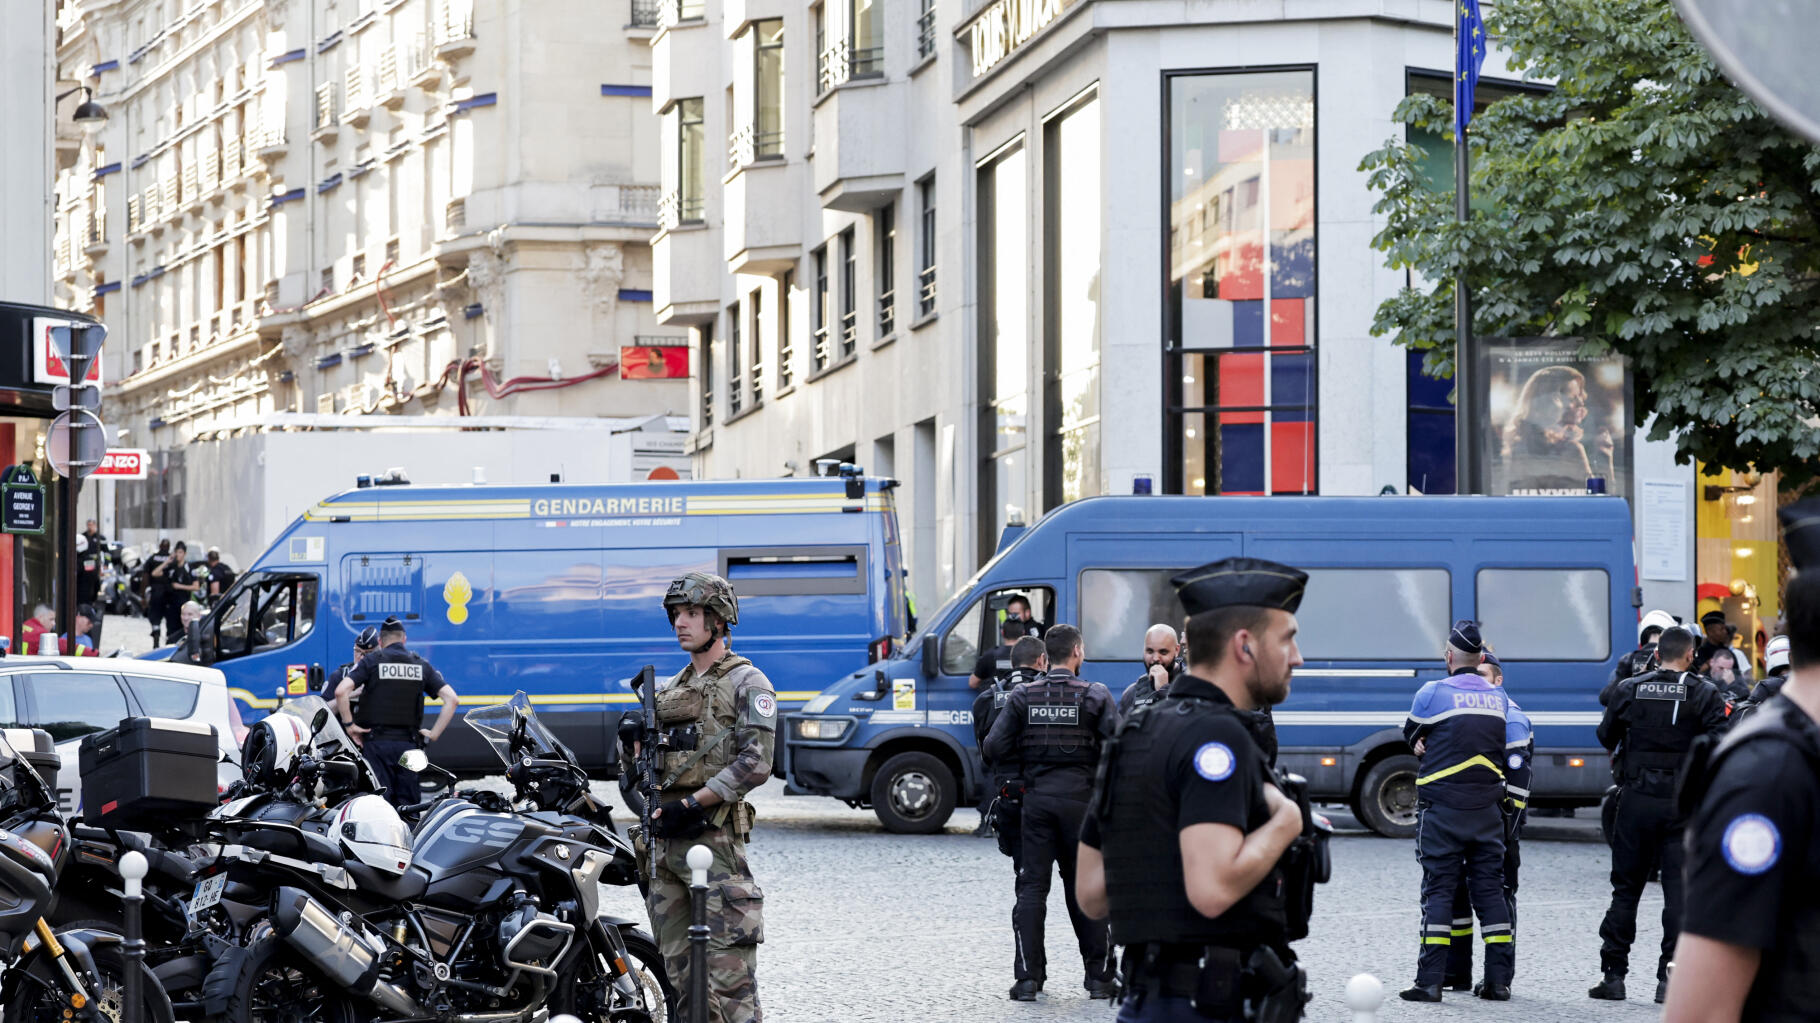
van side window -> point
(958, 646)
(1118, 604)
(1546, 614)
(795, 571)
(977, 630)
(1375, 614)
(265, 615)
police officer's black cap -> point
(1801, 532)
(1713, 618)
(1464, 637)
(1240, 582)
(391, 624)
(368, 638)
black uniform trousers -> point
(1051, 836)
(1454, 845)
(1459, 951)
(1645, 827)
(383, 747)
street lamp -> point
(90, 115)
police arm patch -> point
(1214, 761)
(764, 706)
(1751, 844)
(1516, 761)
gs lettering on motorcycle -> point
(468, 840)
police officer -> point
(1001, 805)
(1185, 848)
(364, 644)
(1054, 727)
(1652, 722)
(1160, 653)
(1775, 672)
(1519, 750)
(1459, 726)
(720, 714)
(995, 663)
(393, 683)
(1752, 920)
(1642, 659)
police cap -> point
(1240, 582)
(1713, 618)
(391, 624)
(1801, 531)
(368, 638)
(1465, 637)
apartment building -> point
(1017, 252)
(341, 214)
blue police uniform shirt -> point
(1463, 722)
(1519, 750)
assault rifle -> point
(640, 789)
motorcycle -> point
(118, 568)
(52, 977)
(486, 914)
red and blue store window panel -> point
(1255, 430)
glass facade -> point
(1241, 278)
(1071, 219)
(1004, 247)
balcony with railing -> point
(638, 203)
(358, 105)
(925, 291)
(388, 77)
(645, 13)
(327, 121)
(421, 68)
(676, 210)
(94, 233)
(190, 192)
(762, 235)
(211, 170)
(849, 332)
(454, 24)
(135, 215)
(748, 145)
(843, 62)
(925, 31)
(231, 153)
(887, 313)
(268, 142)
(671, 13)
(859, 137)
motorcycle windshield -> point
(513, 730)
(332, 738)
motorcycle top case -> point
(146, 772)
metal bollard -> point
(1364, 995)
(132, 869)
(700, 859)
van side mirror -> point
(932, 655)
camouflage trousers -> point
(735, 921)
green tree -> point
(1645, 205)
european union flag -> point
(1469, 40)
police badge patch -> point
(1751, 844)
(764, 704)
(1516, 761)
(1214, 761)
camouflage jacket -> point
(737, 718)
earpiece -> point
(1247, 648)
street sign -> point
(1766, 49)
(124, 464)
(21, 502)
(89, 439)
(48, 366)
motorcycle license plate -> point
(208, 893)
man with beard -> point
(1160, 650)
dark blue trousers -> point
(1451, 843)
(1142, 1008)
(1459, 954)
(401, 788)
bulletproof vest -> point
(1142, 847)
(1637, 661)
(1759, 696)
(708, 703)
(1148, 693)
(1001, 665)
(1787, 985)
(394, 698)
(1662, 725)
(1058, 726)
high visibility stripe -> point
(1497, 939)
(1437, 941)
(1515, 791)
(1519, 804)
(1462, 932)
(1478, 761)
(1496, 928)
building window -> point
(818, 313)
(755, 366)
(328, 281)
(1240, 316)
(925, 246)
(866, 37)
(768, 89)
(1071, 285)
(1004, 353)
(887, 270)
(925, 30)
(849, 298)
(786, 348)
(1430, 430)
(706, 362)
(734, 377)
(685, 204)
(824, 57)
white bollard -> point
(47, 645)
(1364, 995)
(133, 868)
(700, 859)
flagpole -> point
(1466, 405)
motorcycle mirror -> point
(319, 722)
(414, 760)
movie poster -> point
(1553, 421)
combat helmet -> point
(704, 589)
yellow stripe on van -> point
(758, 504)
(548, 699)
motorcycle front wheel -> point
(35, 999)
(589, 995)
(275, 986)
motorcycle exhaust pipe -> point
(340, 952)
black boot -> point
(1492, 992)
(1097, 989)
(1661, 991)
(1611, 989)
(1025, 991)
(1422, 993)
(1458, 983)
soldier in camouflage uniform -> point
(732, 710)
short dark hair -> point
(1012, 628)
(1801, 615)
(1017, 598)
(1673, 645)
(1026, 652)
(1210, 631)
(1060, 642)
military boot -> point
(1025, 991)
(1661, 991)
(1421, 993)
(1611, 989)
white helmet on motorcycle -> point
(269, 756)
(374, 833)
(1658, 619)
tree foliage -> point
(1645, 205)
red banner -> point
(653, 362)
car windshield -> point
(513, 722)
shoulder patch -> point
(764, 704)
(1516, 761)
(1214, 761)
(1751, 844)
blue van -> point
(557, 590)
(1551, 579)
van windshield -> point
(928, 624)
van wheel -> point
(1387, 797)
(913, 794)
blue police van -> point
(557, 590)
(1551, 579)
